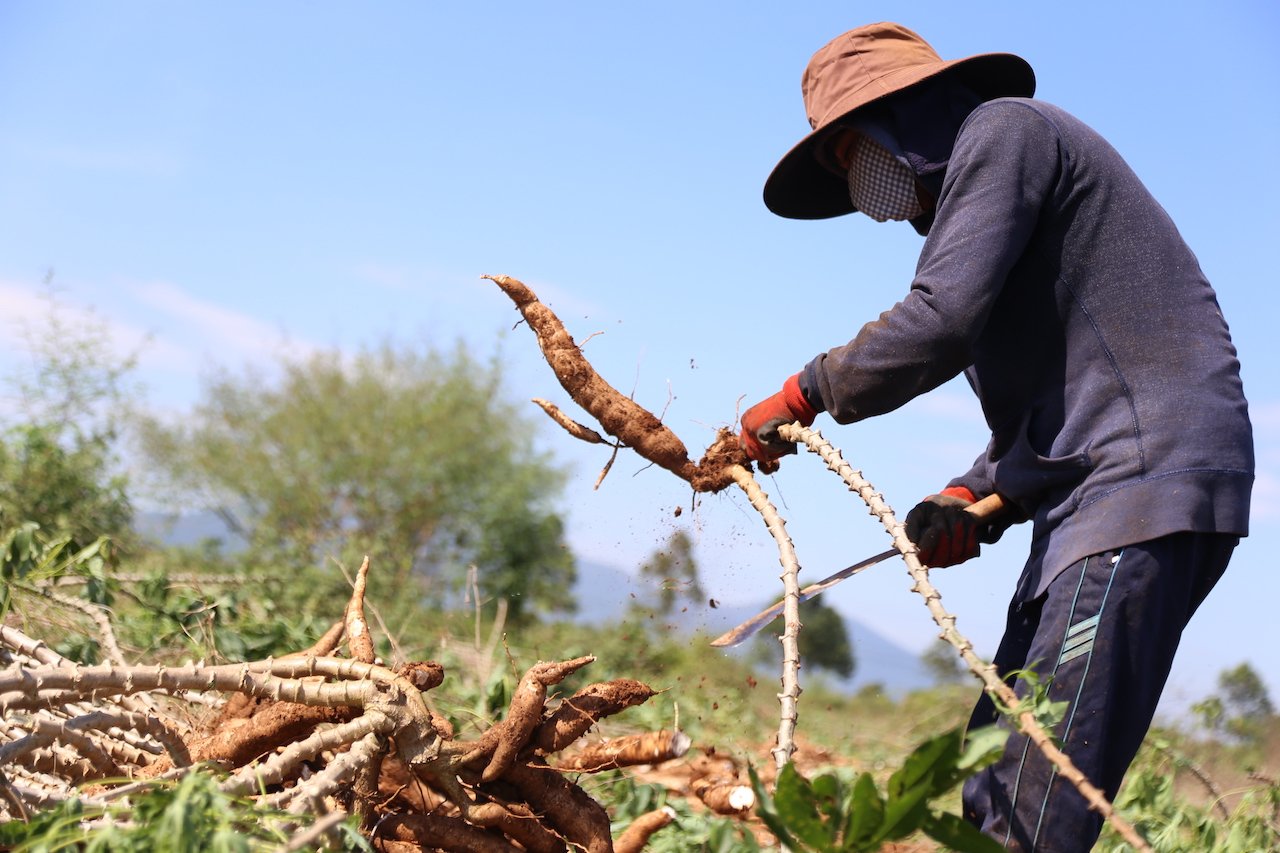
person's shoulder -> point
(1021, 110)
(1027, 119)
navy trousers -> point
(1103, 638)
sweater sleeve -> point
(1004, 165)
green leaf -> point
(865, 812)
(959, 834)
(767, 811)
(904, 814)
(828, 793)
(982, 747)
(794, 801)
(935, 757)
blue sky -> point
(228, 183)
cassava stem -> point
(790, 695)
(946, 621)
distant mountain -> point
(187, 529)
(604, 593)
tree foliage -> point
(942, 662)
(411, 456)
(824, 642)
(67, 489)
(76, 384)
(1242, 710)
(63, 498)
(675, 572)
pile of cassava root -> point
(331, 738)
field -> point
(191, 700)
(677, 737)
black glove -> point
(943, 532)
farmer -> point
(1119, 428)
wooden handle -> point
(989, 507)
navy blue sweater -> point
(1054, 280)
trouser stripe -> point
(1079, 640)
(1090, 624)
(1084, 628)
(1072, 654)
(1022, 764)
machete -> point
(985, 508)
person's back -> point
(1104, 365)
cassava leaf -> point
(981, 748)
(794, 802)
(828, 795)
(766, 810)
(904, 813)
(935, 757)
(865, 813)
(959, 834)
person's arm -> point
(1004, 167)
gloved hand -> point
(759, 436)
(943, 532)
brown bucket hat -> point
(859, 68)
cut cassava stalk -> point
(92, 759)
(281, 765)
(37, 650)
(309, 795)
(726, 798)
(58, 685)
(985, 672)
(628, 751)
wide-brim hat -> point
(858, 68)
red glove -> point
(759, 437)
(943, 532)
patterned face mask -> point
(880, 185)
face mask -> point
(879, 184)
